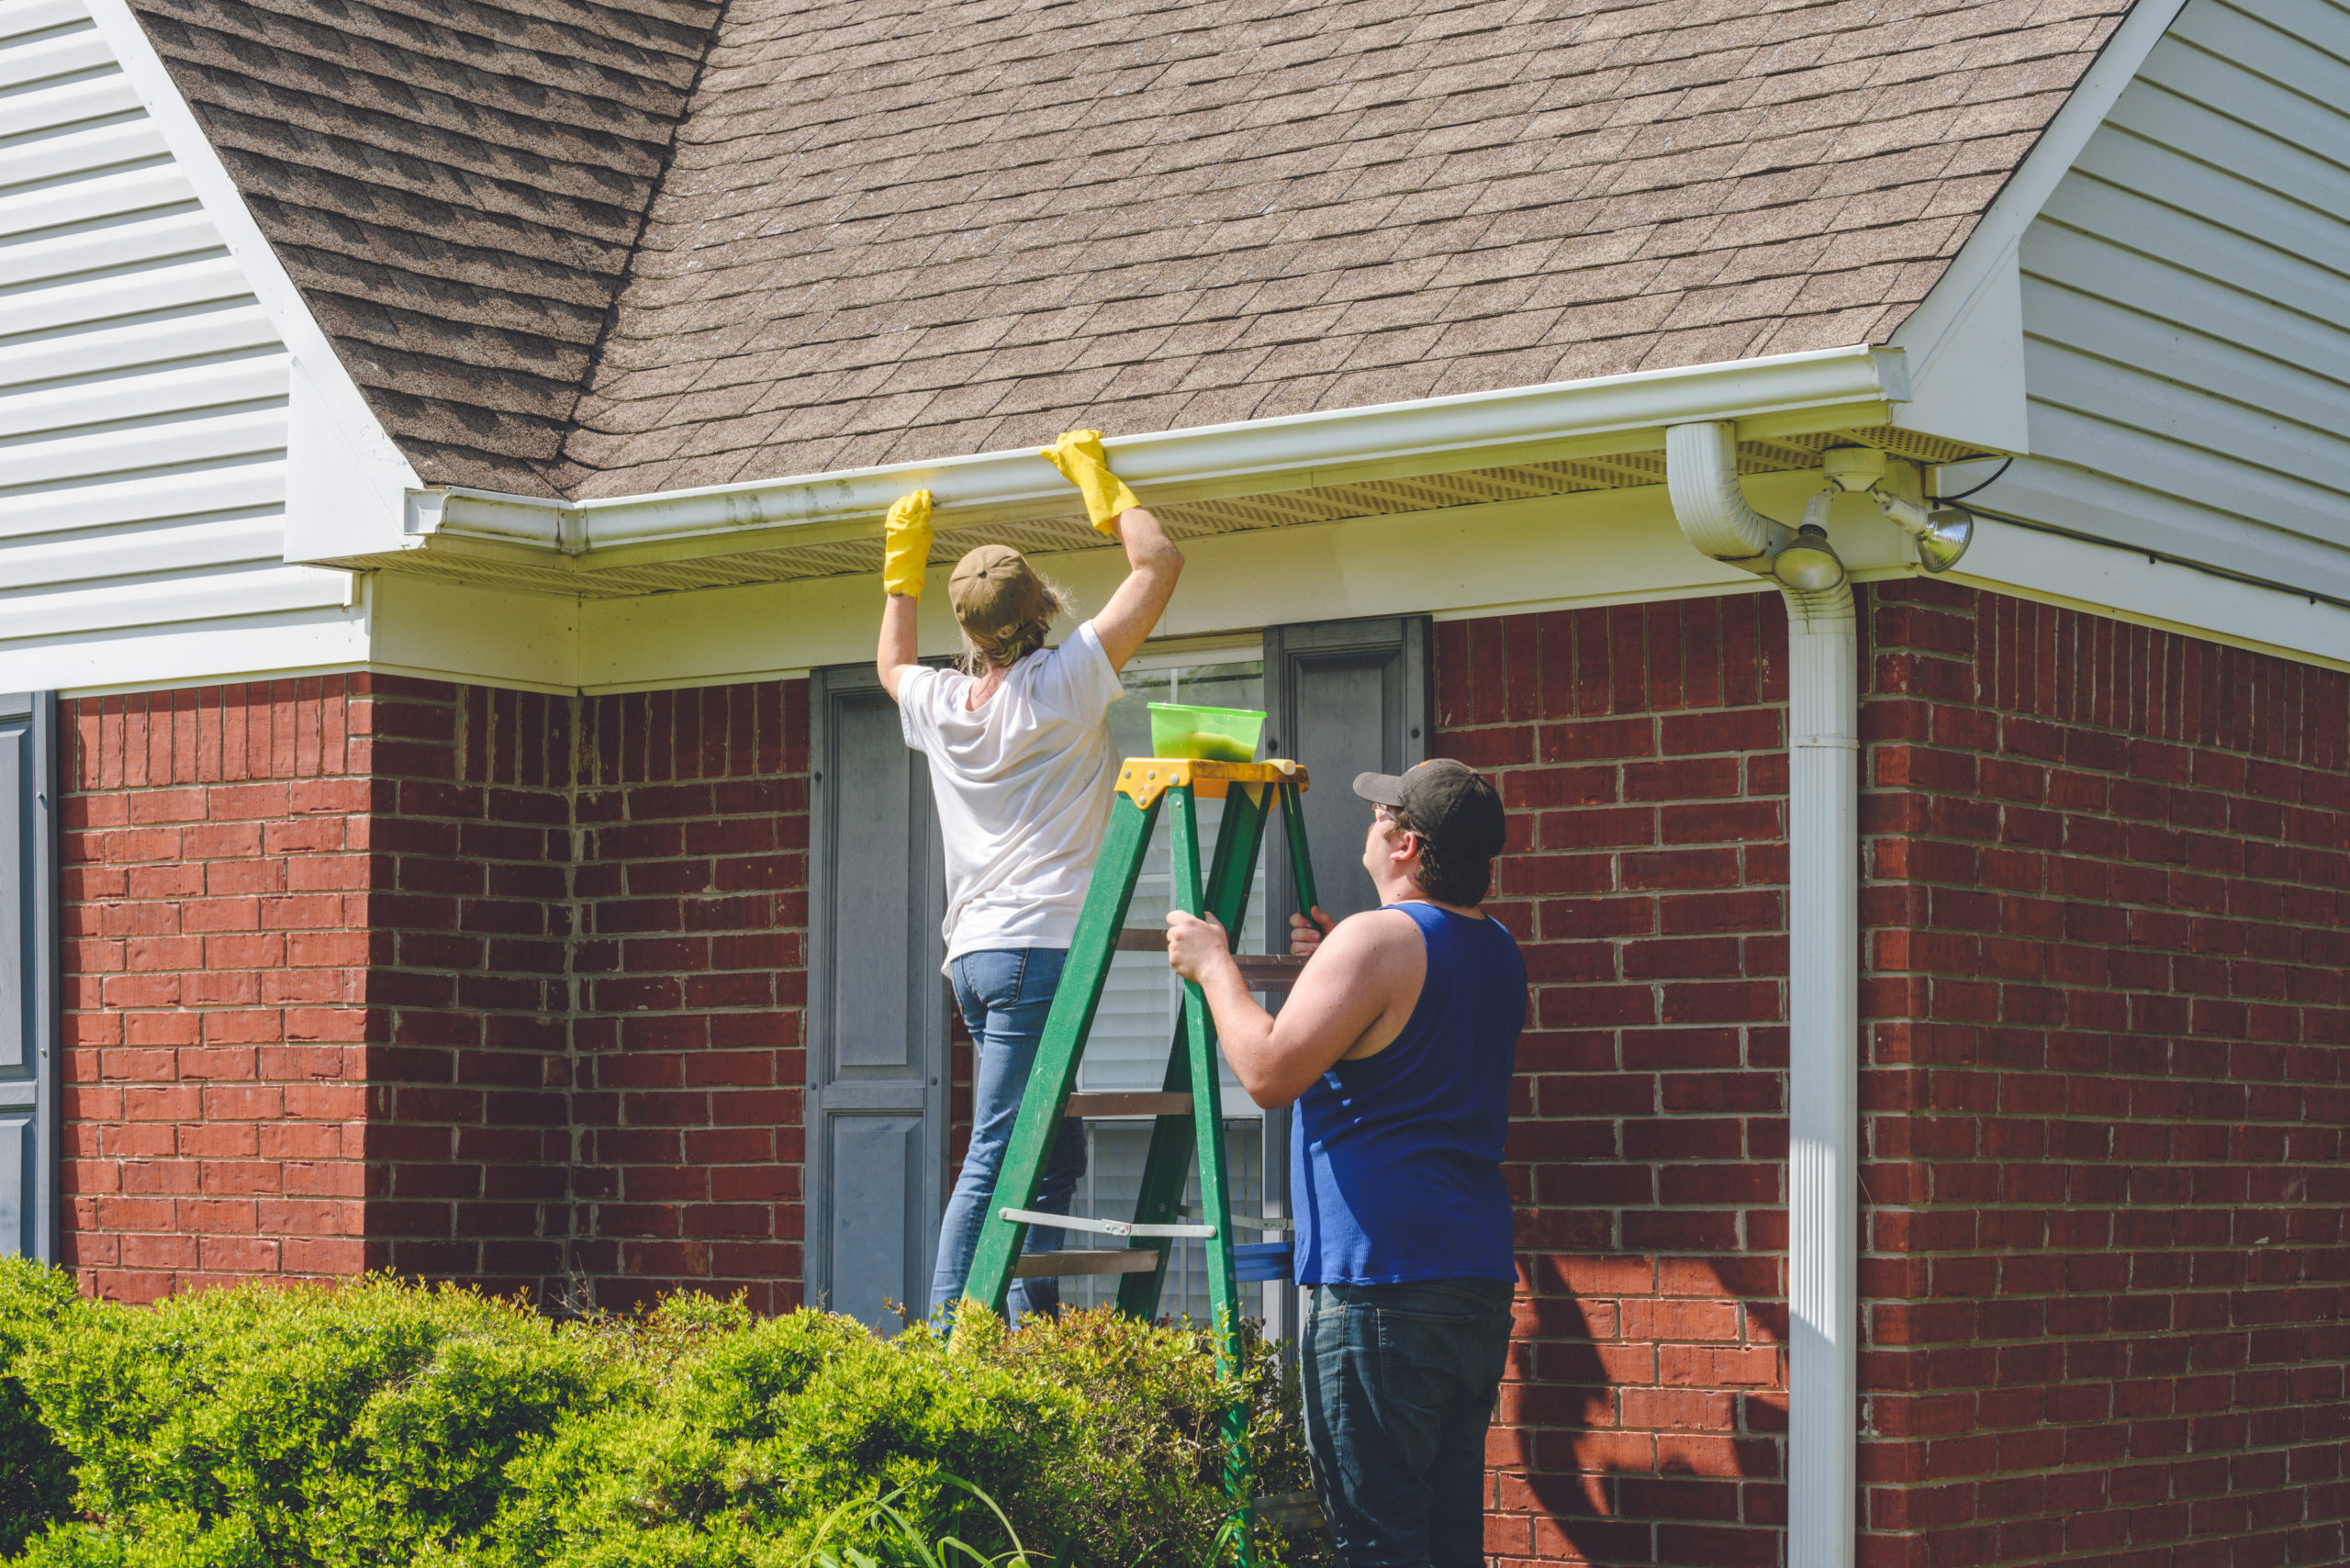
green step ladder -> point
(1189, 1107)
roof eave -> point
(1778, 394)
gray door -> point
(1342, 697)
(876, 1007)
(28, 975)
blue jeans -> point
(1400, 1384)
(1005, 996)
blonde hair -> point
(1008, 648)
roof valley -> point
(569, 472)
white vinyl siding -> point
(142, 396)
(2187, 304)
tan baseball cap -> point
(995, 591)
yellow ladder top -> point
(1145, 778)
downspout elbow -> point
(1701, 475)
(1710, 504)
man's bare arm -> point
(1357, 991)
(1153, 564)
(900, 643)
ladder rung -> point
(1082, 1105)
(1107, 1227)
(1060, 1265)
(1263, 972)
(1243, 1221)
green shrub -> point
(389, 1424)
(1145, 1480)
(770, 1433)
(36, 1472)
(282, 1427)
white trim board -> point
(2115, 580)
(1595, 547)
(533, 643)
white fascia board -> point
(1297, 451)
(346, 479)
(1965, 338)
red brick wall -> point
(215, 852)
(468, 1135)
(375, 972)
(1638, 752)
(2109, 1301)
(364, 971)
(2104, 1294)
(693, 914)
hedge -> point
(383, 1423)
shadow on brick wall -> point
(1641, 1427)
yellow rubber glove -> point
(905, 544)
(1078, 455)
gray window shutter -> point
(1342, 697)
(876, 1007)
(28, 975)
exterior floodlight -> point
(1948, 534)
(1942, 535)
(1807, 563)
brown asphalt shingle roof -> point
(904, 228)
(455, 185)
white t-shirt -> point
(1022, 786)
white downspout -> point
(1823, 979)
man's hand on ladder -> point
(1305, 936)
(1195, 946)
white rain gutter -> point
(1823, 991)
(1779, 394)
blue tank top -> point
(1395, 1160)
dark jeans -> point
(1005, 996)
(1400, 1382)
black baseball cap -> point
(1450, 805)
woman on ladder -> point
(1020, 767)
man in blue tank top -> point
(1396, 1047)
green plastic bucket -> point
(1207, 734)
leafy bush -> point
(382, 1423)
(272, 1426)
(775, 1429)
(36, 1472)
(1144, 1483)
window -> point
(1136, 1024)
